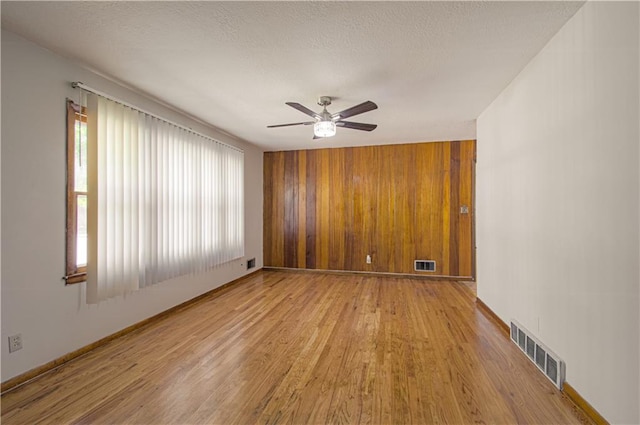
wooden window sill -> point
(75, 278)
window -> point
(76, 256)
(148, 200)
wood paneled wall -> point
(329, 208)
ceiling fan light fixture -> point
(324, 129)
(325, 123)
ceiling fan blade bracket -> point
(304, 110)
(356, 125)
(291, 124)
(355, 110)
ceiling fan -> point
(325, 123)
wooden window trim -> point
(73, 274)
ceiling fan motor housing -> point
(325, 101)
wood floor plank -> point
(303, 348)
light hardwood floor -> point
(302, 348)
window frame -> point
(73, 273)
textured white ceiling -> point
(432, 67)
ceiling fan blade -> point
(355, 110)
(295, 123)
(304, 110)
(356, 125)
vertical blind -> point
(163, 201)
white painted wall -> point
(558, 204)
(52, 318)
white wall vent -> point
(424, 266)
(539, 354)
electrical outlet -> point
(368, 259)
(15, 343)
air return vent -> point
(538, 353)
(424, 266)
